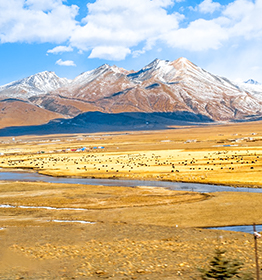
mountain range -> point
(169, 87)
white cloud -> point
(123, 24)
(200, 35)
(126, 24)
(60, 49)
(36, 21)
(110, 52)
(208, 6)
(113, 29)
(245, 18)
(238, 9)
(65, 63)
(239, 20)
(148, 46)
(43, 5)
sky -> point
(70, 37)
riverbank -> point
(140, 205)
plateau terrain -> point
(171, 121)
(75, 231)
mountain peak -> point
(40, 83)
(41, 77)
(46, 80)
(160, 69)
(183, 62)
(87, 77)
(160, 86)
(252, 82)
(157, 63)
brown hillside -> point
(18, 113)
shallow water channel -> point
(246, 228)
(27, 176)
(23, 175)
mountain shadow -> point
(91, 122)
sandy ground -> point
(60, 231)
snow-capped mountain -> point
(162, 70)
(252, 87)
(252, 82)
(40, 83)
(161, 86)
(100, 82)
(92, 75)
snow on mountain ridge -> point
(88, 76)
(252, 82)
(161, 86)
(161, 69)
(253, 87)
(39, 83)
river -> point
(246, 228)
(23, 175)
(27, 176)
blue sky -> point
(74, 36)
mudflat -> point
(65, 231)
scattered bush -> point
(221, 268)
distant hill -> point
(21, 112)
(103, 122)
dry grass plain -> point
(65, 231)
(218, 154)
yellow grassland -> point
(134, 233)
(219, 154)
(141, 232)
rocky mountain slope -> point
(161, 86)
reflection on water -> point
(33, 177)
(247, 229)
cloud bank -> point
(114, 29)
(36, 21)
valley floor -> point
(60, 231)
(215, 154)
(63, 231)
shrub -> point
(220, 268)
